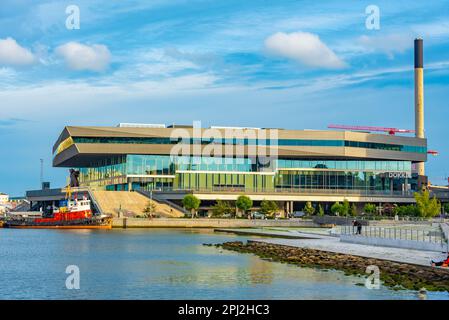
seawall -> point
(206, 223)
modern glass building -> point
(250, 160)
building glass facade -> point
(164, 172)
(236, 141)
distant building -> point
(17, 200)
(4, 198)
(4, 203)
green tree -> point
(427, 207)
(411, 210)
(221, 208)
(408, 210)
(353, 210)
(268, 207)
(369, 208)
(309, 209)
(337, 208)
(191, 203)
(345, 208)
(150, 209)
(320, 210)
(244, 203)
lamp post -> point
(151, 203)
(42, 172)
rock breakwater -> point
(393, 274)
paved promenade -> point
(333, 244)
(275, 233)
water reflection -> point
(261, 271)
(161, 264)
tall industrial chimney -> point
(419, 97)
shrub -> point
(221, 208)
(268, 207)
(150, 209)
(369, 208)
(353, 210)
(337, 208)
(309, 209)
(320, 211)
(408, 210)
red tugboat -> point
(72, 214)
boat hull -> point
(56, 227)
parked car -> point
(258, 215)
(298, 214)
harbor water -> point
(161, 264)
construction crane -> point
(391, 131)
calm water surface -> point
(160, 264)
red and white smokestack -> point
(419, 97)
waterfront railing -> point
(394, 233)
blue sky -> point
(289, 64)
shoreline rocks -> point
(394, 275)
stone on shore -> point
(394, 275)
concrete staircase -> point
(155, 196)
(130, 204)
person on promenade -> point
(358, 225)
(444, 263)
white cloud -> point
(6, 73)
(12, 54)
(329, 21)
(83, 57)
(107, 90)
(156, 62)
(304, 47)
(401, 39)
(388, 44)
(438, 29)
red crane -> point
(391, 131)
